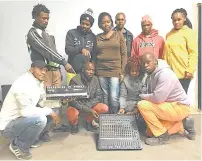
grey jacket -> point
(130, 90)
(94, 89)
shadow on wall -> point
(193, 91)
(10, 72)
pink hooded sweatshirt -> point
(152, 43)
(160, 89)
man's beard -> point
(89, 78)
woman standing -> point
(181, 51)
(110, 59)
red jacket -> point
(152, 43)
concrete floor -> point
(65, 146)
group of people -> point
(143, 76)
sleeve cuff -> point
(145, 96)
(47, 111)
(80, 49)
(64, 62)
(190, 71)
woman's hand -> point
(134, 112)
(188, 75)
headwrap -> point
(146, 18)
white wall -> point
(15, 21)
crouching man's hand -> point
(94, 113)
(56, 118)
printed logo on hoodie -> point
(77, 42)
(147, 44)
(89, 44)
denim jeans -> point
(111, 88)
(26, 130)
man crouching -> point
(20, 118)
(165, 107)
(92, 106)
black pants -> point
(141, 124)
(185, 83)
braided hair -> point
(184, 12)
(38, 9)
(133, 64)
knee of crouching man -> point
(40, 120)
(143, 104)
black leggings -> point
(185, 83)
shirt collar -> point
(124, 31)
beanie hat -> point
(88, 15)
(146, 18)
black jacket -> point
(129, 39)
(76, 41)
(94, 89)
(42, 46)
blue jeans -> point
(111, 88)
(26, 130)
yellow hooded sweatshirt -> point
(181, 51)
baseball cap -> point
(39, 63)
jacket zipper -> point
(83, 41)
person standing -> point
(148, 40)
(120, 26)
(181, 49)
(110, 58)
(41, 46)
(80, 41)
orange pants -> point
(53, 78)
(73, 114)
(163, 117)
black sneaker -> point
(45, 137)
(36, 144)
(190, 131)
(90, 127)
(19, 153)
(61, 128)
(160, 140)
(74, 129)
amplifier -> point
(118, 132)
(66, 92)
